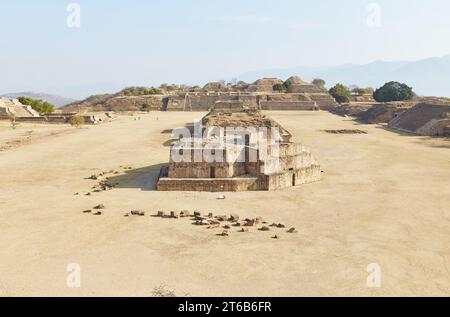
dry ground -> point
(385, 198)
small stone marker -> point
(138, 213)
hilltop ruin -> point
(258, 95)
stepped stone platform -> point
(13, 108)
(424, 119)
(282, 164)
(259, 95)
(296, 94)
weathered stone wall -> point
(294, 159)
(302, 176)
(3, 112)
(292, 156)
(292, 165)
(285, 97)
(173, 103)
(289, 106)
(289, 149)
(59, 119)
(435, 127)
(25, 119)
(304, 89)
(421, 118)
(268, 101)
(200, 170)
(446, 131)
(324, 101)
(206, 102)
(208, 185)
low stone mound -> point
(264, 85)
(118, 103)
(380, 113)
(296, 80)
(424, 119)
(132, 103)
(350, 109)
(346, 131)
(286, 97)
(215, 86)
(92, 103)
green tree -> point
(43, 107)
(172, 87)
(287, 85)
(26, 101)
(319, 83)
(340, 93)
(393, 91)
(279, 87)
(363, 91)
(282, 87)
(76, 121)
(141, 91)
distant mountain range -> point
(428, 77)
(58, 101)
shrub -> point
(393, 91)
(282, 87)
(141, 91)
(340, 93)
(146, 107)
(319, 83)
(76, 121)
(279, 87)
(363, 91)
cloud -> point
(243, 19)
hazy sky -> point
(135, 42)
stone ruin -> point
(281, 164)
(259, 95)
(12, 108)
(425, 119)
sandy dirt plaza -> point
(384, 199)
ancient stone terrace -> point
(259, 95)
(238, 161)
(13, 108)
